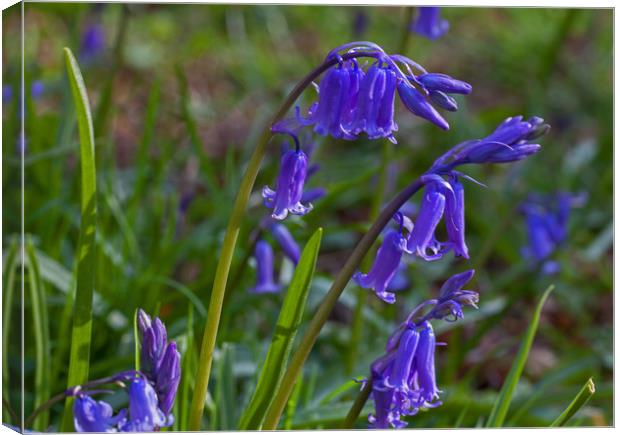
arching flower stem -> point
(322, 313)
(232, 233)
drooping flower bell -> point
(286, 241)
(159, 359)
(422, 240)
(145, 414)
(403, 379)
(455, 219)
(384, 267)
(264, 269)
(429, 23)
(289, 186)
(90, 415)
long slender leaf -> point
(578, 402)
(86, 250)
(283, 336)
(8, 285)
(188, 357)
(38, 302)
(501, 405)
(224, 393)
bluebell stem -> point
(160, 360)
(429, 24)
(286, 241)
(90, 415)
(264, 269)
(144, 412)
(384, 267)
(289, 186)
(404, 380)
(352, 102)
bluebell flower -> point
(90, 415)
(7, 93)
(511, 141)
(404, 378)
(352, 102)
(144, 412)
(360, 23)
(419, 105)
(289, 186)
(546, 220)
(286, 241)
(36, 89)
(313, 194)
(455, 219)
(429, 24)
(422, 238)
(93, 43)
(400, 281)
(374, 112)
(160, 360)
(384, 267)
(264, 269)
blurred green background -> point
(179, 94)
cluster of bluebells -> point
(403, 379)
(429, 23)
(151, 391)
(444, 197)
(353, 101)
(546, 218)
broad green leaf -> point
(86, 250)
(578, 402)
(502, 403)
(40, 325)
(283, 336)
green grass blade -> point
(500, 408)
(225, 391)
(38, 302)
(188, 366)
(86, 258)
(578, 402)
(283, 337)
(8, 285)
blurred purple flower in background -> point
(93, 43)
(286, 241)
(360, 23)
(546, 218)
(429, 24)
(36, 89)
(7, 93)
(264, 269)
